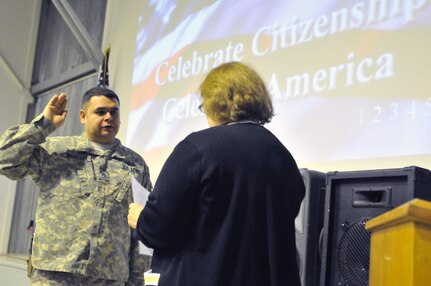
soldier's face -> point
(101, 119)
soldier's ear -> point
(82, 116)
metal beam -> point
(11, 72)
(63, 78)
(14, 77)
(79, 31)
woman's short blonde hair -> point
(233, 92)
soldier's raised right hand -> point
(55, 111)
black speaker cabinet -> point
(309, 224)
(353, 198)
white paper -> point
(140, 196)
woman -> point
(223, 208)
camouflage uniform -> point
(51, 278)
(81, 219)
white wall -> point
(120, 32)
(18, 31)
(13, 272)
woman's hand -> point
(134, 212)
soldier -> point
(82, 236)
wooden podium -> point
(400, 249)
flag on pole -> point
(103, 72)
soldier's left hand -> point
(134, 212)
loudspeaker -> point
(308, 224)
(353, 198)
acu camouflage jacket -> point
(81, 218)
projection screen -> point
(349, 80)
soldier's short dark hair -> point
(98, 91)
